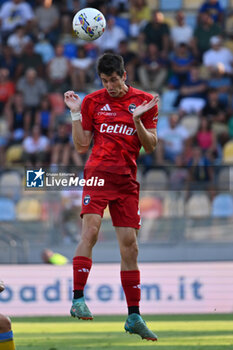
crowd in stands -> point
(189, 65)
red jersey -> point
(116, 144)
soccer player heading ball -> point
(121, 119)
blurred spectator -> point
(214, 8)
(178, 174)
(119, 5)
(200, 170)
(112, 37)
(35, 148)
(18, 40)
(181, 62)
(130, 59)
(71, 6)
(44, 48)
(157, 32)
(33, 89)
(17, 117)
(192, 92)
(230, 127)
(9, 61)
(181, 32)
(14, 13)
(229, 30)
(45, 116)
(66, 34)
(58, 71)
(222, 83)
(139, 15)
(82, 70)
(203, 32)
(30, 59)
(205, 137)
(71, 221)
(47, 17)
(218, 56)
(60, 150)
(213, 106)
(7, 88)
(49, 257)
(172, 140)
(152, 72)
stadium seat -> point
(14, 154)
(168, 99)
(191, 123)
(223, 179)
(7, 209)
(11, 184)
(163, 124)
(124, 23)
(192, 4)
(168, 5)
(191, 19)
(198, 206)
(28, 209)
(173, 205)
(150, 207)
(228, 153)
(224, 3)
(155, 180)
(222, 206)
(153, 4)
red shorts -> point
(120, 193)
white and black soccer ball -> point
(89, 24)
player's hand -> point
(144, 107)
(73, 101)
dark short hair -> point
(109, 63)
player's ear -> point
(124, 76)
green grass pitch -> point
(175, 332)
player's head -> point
(112, 73)
(109, 63)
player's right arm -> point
(81, 138)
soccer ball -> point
(89, 24)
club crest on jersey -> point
(132, 107)
(86, 199)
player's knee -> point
(5, 324)
(90, 236)
(129, 251)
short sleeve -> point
(150, 118)
(86, 115)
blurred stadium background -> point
(180, 49)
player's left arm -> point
(147, 137)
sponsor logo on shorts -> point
(87, 199)
(132, 107)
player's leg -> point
(130, 279)
(6, 334)
(82, 263)
(130, 274)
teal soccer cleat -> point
(136, 325)
(79, 309)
